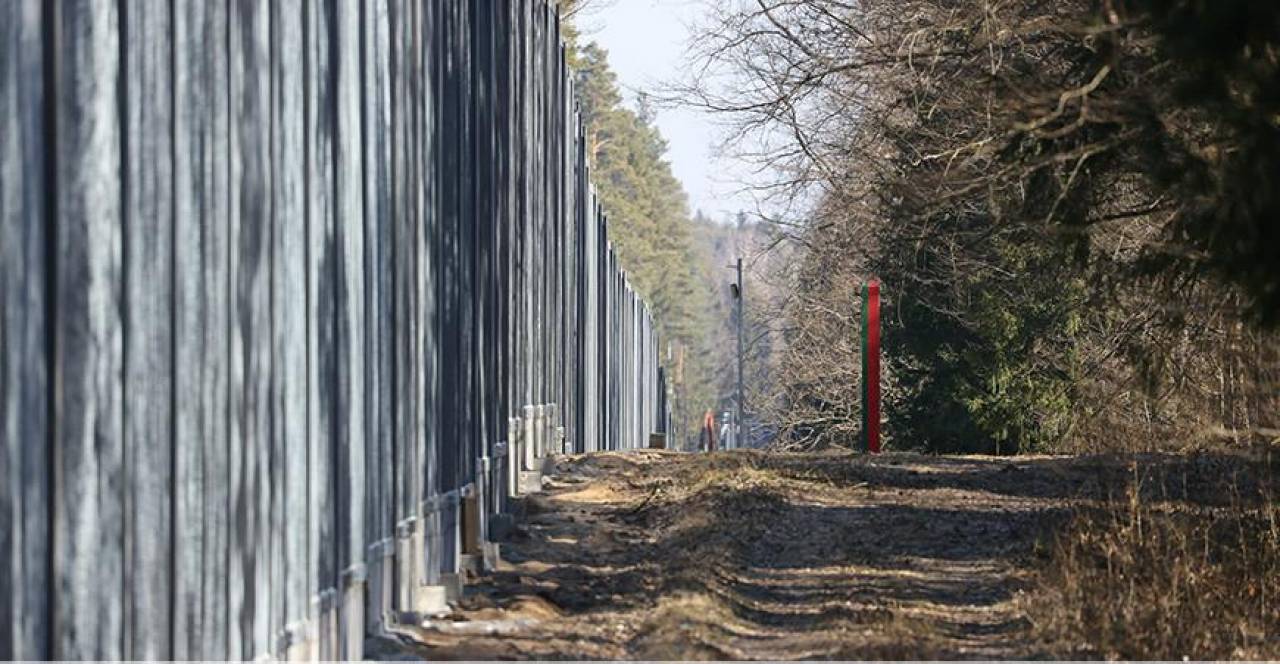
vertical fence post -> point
(515, 453)
(307, 369)
(871, 367)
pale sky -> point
(646, 41)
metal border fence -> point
(295, 296)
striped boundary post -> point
(871, 367)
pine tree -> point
(649, 224)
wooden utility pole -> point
(739, 420)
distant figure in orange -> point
(708, 438)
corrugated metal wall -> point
(282, 283)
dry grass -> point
(748, 555)
(1146, 578)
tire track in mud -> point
(753, 555)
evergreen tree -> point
(649, 225)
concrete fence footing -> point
(529, 437)
(465, 526)
(351, 609)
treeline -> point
(1070, 204)
(650, 226)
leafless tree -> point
(1031, 156)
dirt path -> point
(746, 555)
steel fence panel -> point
(25, 427)
(316, 274)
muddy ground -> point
(747, 555)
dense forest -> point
(1069, 204)
(652, 230)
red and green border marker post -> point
(871, 367)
